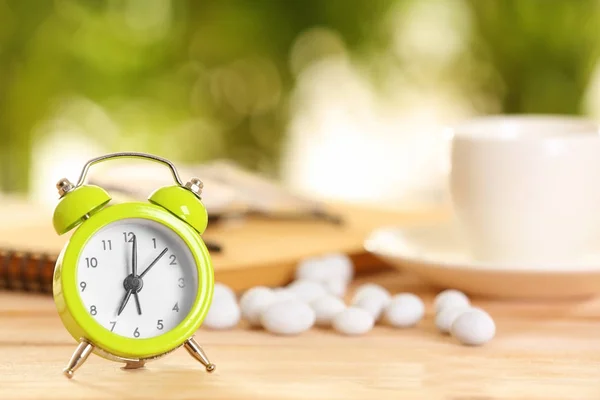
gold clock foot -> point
(134, 364)
(81, 354)
(196, 351)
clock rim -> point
(81, 325)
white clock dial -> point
(149, 302)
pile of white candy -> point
(316, 298)
(455, 315)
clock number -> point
(93, 310)
(91, 262)
(173, 259)
(107, 244)
(159, 325)
(181, 283)
(82, 285)
(113, 323)
(136, 333)
(128, 236)
(154, 242)
(176, 307)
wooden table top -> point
(541, 351)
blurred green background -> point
(201, 80)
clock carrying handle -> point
(111, 156)
(211, 246)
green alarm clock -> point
(134, 281)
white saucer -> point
(439, 255)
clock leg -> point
(196, 351)
(81, 354)
(134, 364)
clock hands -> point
(137, 303)
(162, 253)
(137, 280)
(124, 302)
(134, 257)
(133, 283)
(134, 273)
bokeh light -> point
(337, 99)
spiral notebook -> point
(28, 246)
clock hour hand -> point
(154, 262)
(124, 302)
(137, 303)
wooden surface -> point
(256, 251)
(541, 351)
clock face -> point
(137, 278)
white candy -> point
(372, 290)
(313, 269)
(353, 321)
(405, 310)
(341, 265)
(372, 305)
(224, 313)
(284, 294)
(372, 298)
(222, 290)
(336, 287)
(450, 298)
(473, 327)
(327, 307)
(325, 268)
(446, 316)
(254, 301)
(306, 290)
(288, 317)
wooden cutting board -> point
(255, 251)
(266, 252)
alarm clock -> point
(134, 281)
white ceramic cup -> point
(526, 189)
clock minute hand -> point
(134, 257)
(162, 253)
(133, 273)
